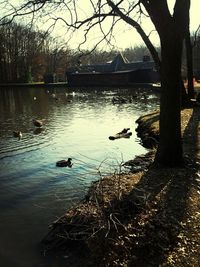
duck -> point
(145, 97)
(125, 130)
(124, 133)
(119, 100)
(38, 123)
(64, 163)
(17, 134)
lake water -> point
(77, 124)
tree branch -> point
(139, 29)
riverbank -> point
(148, 217)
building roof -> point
(119, 63)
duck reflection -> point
(38, 130)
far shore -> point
(35, 84)
(67, 85)
(153, 86)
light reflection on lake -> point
(77, 124)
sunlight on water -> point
(77, 124)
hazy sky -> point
(126, 36)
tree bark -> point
(172, 30)
(189, 54)
(170, 147)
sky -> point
(126, 36)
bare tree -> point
(26, 53)
(189, 56)
(106, 14)
(196, 52)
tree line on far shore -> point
(27, 55)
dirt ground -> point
(149, 217)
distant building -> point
(119, 63)
(118, 72)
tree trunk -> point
(170, 147)
(189, 53)
(171, 29)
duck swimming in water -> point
(123, 134)
(125, 130)
(64, 163)
(17, 134)
(38, 123)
